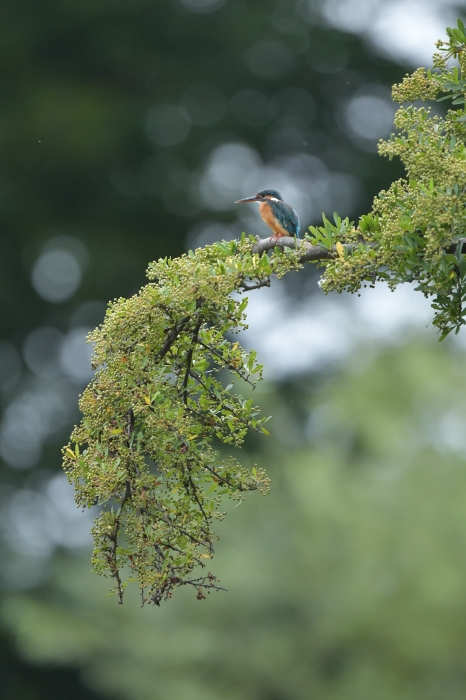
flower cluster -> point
(145, 448)
(416, 229)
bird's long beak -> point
(249, 199)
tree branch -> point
(316, 252)
(171, 524)
(189, 360)
(113, 537)
(215, 353)
(216, 398)
(310, 252)
(171, 337)
(228, 482)
(263, 283)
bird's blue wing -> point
(287, 216)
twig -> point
(224, 480)
(225, 364)
(129, 432)
(263, 283)
(201, 507)
(204, 582)
(174, 525)
(189, 360)
(113, 537)
(217, 398)
(180, 551)
(172, 336)
(200, 582)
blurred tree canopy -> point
(90, 171)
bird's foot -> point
(276, 236)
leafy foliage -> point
(416, 228)
(144, 450)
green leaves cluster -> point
(329, 234)
(416, 230)
(158, 405)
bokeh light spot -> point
(369, 117)
(223, 179)
(202, 6)
(75, 355)
(208, 232)
(10, 366)
(25, 523)
(56, 275)
(41, 350)
(353, 15)
(67, 525)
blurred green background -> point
(127, 130)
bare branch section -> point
(250, 287)
(310, 252)
(171, 337)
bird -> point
(277, 214)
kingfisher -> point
(277, 214)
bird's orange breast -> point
(270, 219)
